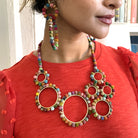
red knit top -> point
(20, 117)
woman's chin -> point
(100, 34)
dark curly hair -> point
(37, 5)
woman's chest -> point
(31, 122)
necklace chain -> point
(103, 91)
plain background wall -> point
(4, 36)
(17, 33)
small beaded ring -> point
(44, 81)
(97, 91)
(52, 5)
(98, 116)
(112, 90)
(52, 107)
(61, 108)
(98, 77)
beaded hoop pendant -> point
(107, 87)
(61, 108)
(45, 76)
(96, 114)
(96, 88)
(98, 77)
(52, 107)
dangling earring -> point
(51, 18)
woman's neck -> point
(73, 45)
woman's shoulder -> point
(21, 67)
(127, 56)
(120, 50)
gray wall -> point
(4, 37)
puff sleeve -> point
(131, 60)
(7, 107)
(134, 67)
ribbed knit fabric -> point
(20, 117)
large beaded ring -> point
(96, 88)
(45, 76)
(96, 114)
(52, 107)
(98, 77)
(109, 88)
(61, 108)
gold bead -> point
(45, 15)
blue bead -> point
(91, 76)
(51, 38)
(98, 93)
(47, 75)
(62, 100)
(52, 41)
(47, 17)
(87, 98)
(58, 89)
(46, 81)
(102, 118)
(47, 5)
(36, 97)
(52, 108)
(86, 119)
(69, 93)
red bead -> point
(51, 29)
(50, 14)
(43, 13)
(51, 5)
(43, 10)
(56, 11)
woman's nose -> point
(112, 4)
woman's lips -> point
(107, 19)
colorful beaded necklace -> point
(98, 83)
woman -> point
(72, 86)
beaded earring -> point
(51, 18)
